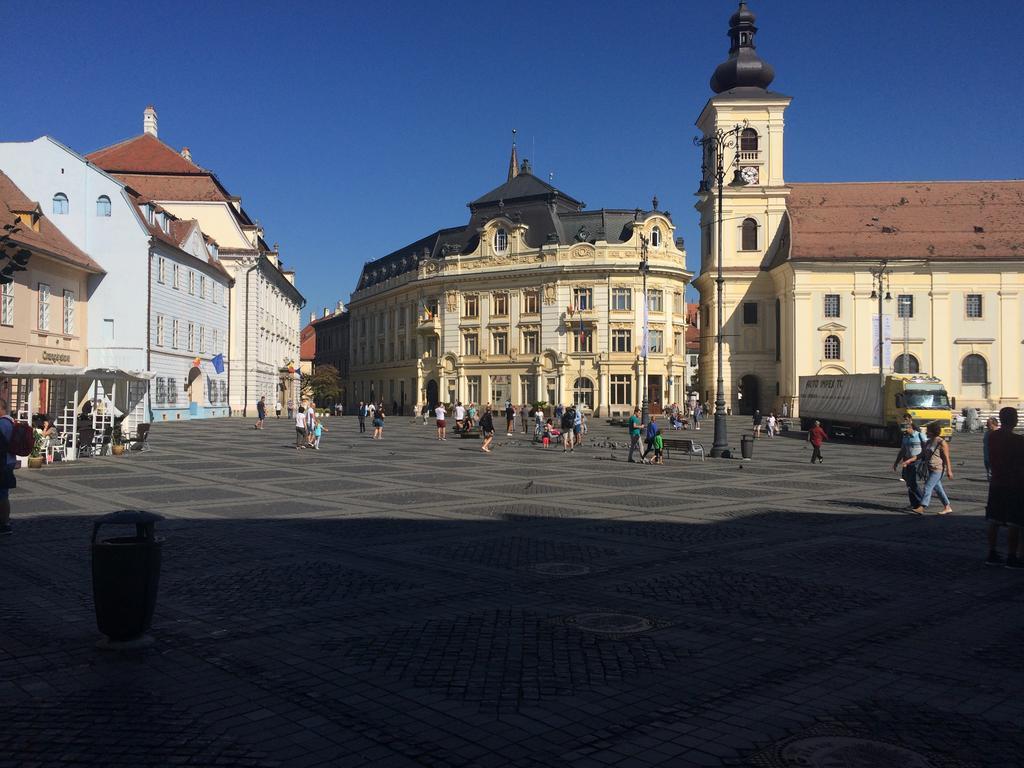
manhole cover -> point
(610, 623)
(561, 569)
(848, 752)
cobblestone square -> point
(411, 602)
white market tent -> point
(62, 391)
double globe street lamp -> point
(714, 168)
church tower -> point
(752, 214)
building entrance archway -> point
(432, 393)
(750, 386)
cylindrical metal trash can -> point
(125, 575)
(747, 446)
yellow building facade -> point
(804, 265)
(536, 299)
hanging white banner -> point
(887, 340)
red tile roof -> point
(48, 239)
(941, 220)
(307, 343)
(172, 188)
(145, 153)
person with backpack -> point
(932, 464)
(487, 429)
(653, 430)
(261, 412)
(16, 439)
(905, 464)
(567, 419)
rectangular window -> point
(160, 393)
(172, 391)
(655, 301)
(583, 298)
(391, 350)
(832, 305)
(7, 304)
(622, 340)
(216, 341)
(622, 299)
(974, 306)
(176, 276)
(677, 343)
(501, 305)
(69, 313)
(191, 283)
(44, 307)
(499, 343)
(657, 342)
(677, 304)
(583, 341)
(402, 346)
(191, 337)
(904, 305)
(531, 302)
(531, 343)
(159, 339)
(470, 306)
(472, 344)
(750, 313)
(174, 334)
(161, 271)
(202, 339)
(202, 286)
(473, 389)
(622, 389)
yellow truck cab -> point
(923, 397)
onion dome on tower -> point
(744, 68)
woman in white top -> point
(440, 414)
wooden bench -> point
(690, 447)
(472, 432)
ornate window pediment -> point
(831, 327)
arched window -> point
(748, 140)
(60, 203)
(501, 240)
(102, 205)
(974, 370)
(906, 364)
(655, 237)
(749, 239)
(833, 348)
(583, 392)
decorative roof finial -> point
(744, 68)
(513, 162)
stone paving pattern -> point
(416, 603)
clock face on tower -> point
(750, 174)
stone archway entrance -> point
(432, 393)
(751, 388)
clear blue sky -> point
(350, 129)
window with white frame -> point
(832, 305)
(44, 307)
(202, 339)
(974, 306)
(103, 206)
(531, 302)
(622, 340)
(159, 330)
(833, 348)
(471, 344)
(174, 334)
(655, 301)
(582, 298)
(657, 342)
(470, 305)
(531, 342)
(473, 389)
(216, 341)
(176, 276)
(501, 240)
(499, 343)
(621, 389)
(69, 313)
(191, 337)
(622, 299)
(501, 304)
(191, 283)
(7, 304)
(161, 269)
(202, 286)
(656, 237)
(160, 391)
(583, 341)
(905, 305)
(61, 206)
(172, 391)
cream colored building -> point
(536, 299)
(801, 261)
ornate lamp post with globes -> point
(714, 168)
(645, 267)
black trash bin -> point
(747, 446)
(125, 575)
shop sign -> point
(63, 358)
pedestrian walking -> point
(990, 426)
(934, 463)
(697, 415)
(510, 418)
(577, 425)
(300, 428)
(906, 462)
(524, 416)
(757, 423)
(659, 446)
(487, 429)
(362, 416)
(771, 424)
(7, 479)
(538, 423)
(634, 434)
(378, 424)
(318, 431)
(1006, 491)
(816, 436)
(439, 415)
(277, 408)
(546, 433)
(565, 424)
(460, 416)
(311, 421)
(653, 430)
(261, 412)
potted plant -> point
(35, 458)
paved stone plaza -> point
(416, 603)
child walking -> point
(318, 430)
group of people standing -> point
(375, 413)
(654, 440)
(309, 427)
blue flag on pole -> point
(218, 363)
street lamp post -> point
(645, 267)
(716, 144)
(880, 291)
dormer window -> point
(501, 240)
(149, 213)
(656, 237)
(61, 206)
(103, 206)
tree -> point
(324, 384)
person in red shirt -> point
(1006, 490)
(816, 436)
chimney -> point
(312, 317)
(327, 312)
(149, 120)
(186, 153)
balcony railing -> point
(750, 155)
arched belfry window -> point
(749, 140)
(501, 240)
(974, 370)
(833, 348)
(749, 235)
(655, 237)
(60, 204)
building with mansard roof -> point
(535, 298)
